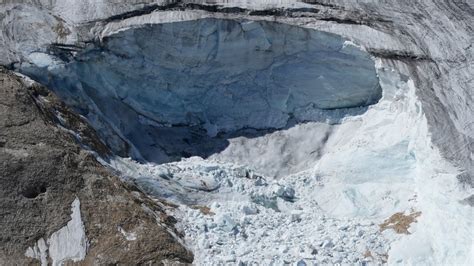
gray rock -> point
(286, 193)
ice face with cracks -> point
(211, 75)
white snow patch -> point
(41, 59)
(130, 236)
(66, 244)
(39, 251)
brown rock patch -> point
(400, 222)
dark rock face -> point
(43, 169)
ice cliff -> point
(214, 74)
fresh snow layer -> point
(374, 165)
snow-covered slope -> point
(291, 166)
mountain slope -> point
(44, 171)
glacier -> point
(280, 131)
(208, 75)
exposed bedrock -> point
(189, 81)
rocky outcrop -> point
(44, 171)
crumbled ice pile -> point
(270, 221)
(234, 214)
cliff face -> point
(381, 134)
(50, 183)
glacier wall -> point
(216, 75)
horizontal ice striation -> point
(219, 75)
